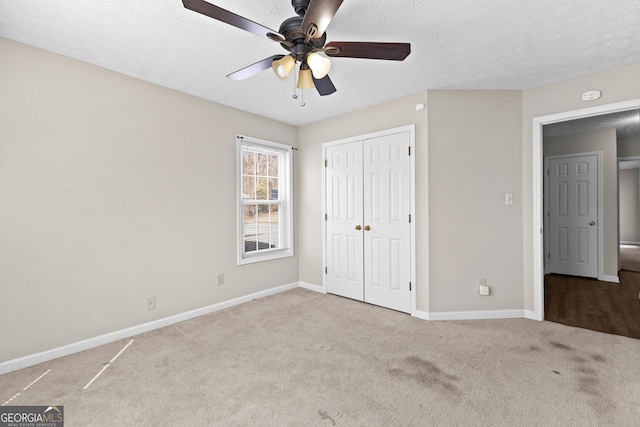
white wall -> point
(601, 140)
(113, 190)
(621, 84)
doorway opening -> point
(557, 121)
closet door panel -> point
(344, 205)
(387, 235)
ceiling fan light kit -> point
(305, 80)
(303, 36)
(319, 65)
(283, 67)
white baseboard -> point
(471, 315)
(311, 287)
(630, 243)
(614, 279)
(424, 315)
(45, 356)
(530, 314)
(476, 315)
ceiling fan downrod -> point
(300, 6)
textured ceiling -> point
(456, 44)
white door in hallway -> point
(368, 206)
(573, 216)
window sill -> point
(269, 256)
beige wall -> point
(629, 205)
(601, 140)
(474, 161)
(621, 84)
(113, 190)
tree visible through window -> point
(265, 199)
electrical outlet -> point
(151, 303)
(482, 287)
(220, 279)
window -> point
(265, 225)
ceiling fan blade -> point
(324, 86)
(231, 18)
(254, 69)
(318, 16)
(368, 50)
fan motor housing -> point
(292, 32)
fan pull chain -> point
(295, 96)
(302, 104)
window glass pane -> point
(261, 189)
(273, 165)
(268, 228)
(250, 228)
(248, 187)
(261, 164)
(274, 225)
(248, 162)
(274, 210)
(273, 189)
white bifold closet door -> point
(368, 225)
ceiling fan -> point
(303, 36)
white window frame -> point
(285, 197)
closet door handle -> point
(367, 228)
(358, 227)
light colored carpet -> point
(305, 359)
(630, 258)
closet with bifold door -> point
(368, 206)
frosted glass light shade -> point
(282, 67)
(305, 80)
(319, 65)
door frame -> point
(538, 214)
(621, 160)
(412, 191)
(600, 188)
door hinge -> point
(326, 217)
(409, 218)
(549, 255)
(409, 150)
(409, 285)
(325, 163)
(326, 270)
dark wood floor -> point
(613, 308)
